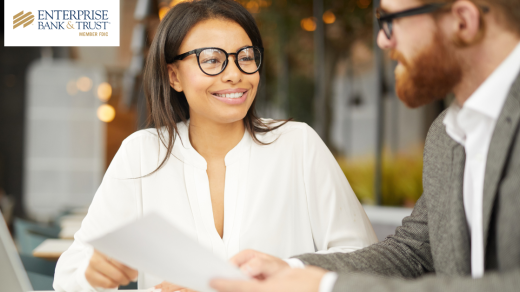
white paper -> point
(155, 246)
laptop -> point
(13, 277)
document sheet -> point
(155, 246)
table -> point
(68, 220)
(70, 224)
(68, 232)
(51, 249)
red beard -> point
(431, 76)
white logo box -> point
(66, 23)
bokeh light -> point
(84, 84)
(329, 17)
(363, 3)
(106, 113)
(308, 24)
(162, 11)
(72, 89)
(253, 6)
(104, 91)
(175, 2)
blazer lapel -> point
(501, 141)
(459, 224)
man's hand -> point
(258, 265)
(169, 287)
(297, 280)
(104, 272)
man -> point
(464, 233)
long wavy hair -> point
(168, 107)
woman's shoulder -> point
(151, 135)
(283, 125)
(145, 144)
(139, 136)
(282, 129)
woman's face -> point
(224, 98)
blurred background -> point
(64, 112)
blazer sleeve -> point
(505, 282)
(115, 203)
(338, 221)
(406, 254)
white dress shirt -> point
(284, 199)
(472, 126)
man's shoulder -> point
(437, 138)
(438, 128)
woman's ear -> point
(173, 74)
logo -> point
(24, 19)
(61, 23)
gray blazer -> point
(433, 244)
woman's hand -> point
(169, 287)
(104, 272)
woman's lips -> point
(232, 100)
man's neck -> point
(212, 139)
(481, 61)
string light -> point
(175, 2)
(162, 11)
(104, 91)
(308, 24)
(84, 84)
(253, 6)
(106, 113)
(329, 17)
(363, 3)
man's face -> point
(427, 67)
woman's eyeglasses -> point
(386, 20)
(213, 61)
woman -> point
(225, 177)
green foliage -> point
(289, 49)
(401, 177)
(300, 100)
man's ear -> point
(469, 23)
(173, 74)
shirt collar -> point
(452, 127)
(193, 157)
(489, 98)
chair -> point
(40, 272)
(29, 235)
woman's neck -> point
(214, 140)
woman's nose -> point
(232, 73)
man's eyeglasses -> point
(213, 61)
(386, 20)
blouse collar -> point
(194, 158)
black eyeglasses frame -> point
(198, 51)
(383, 17)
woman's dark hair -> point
(166, 106)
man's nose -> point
(383, 42)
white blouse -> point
(286, 198)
